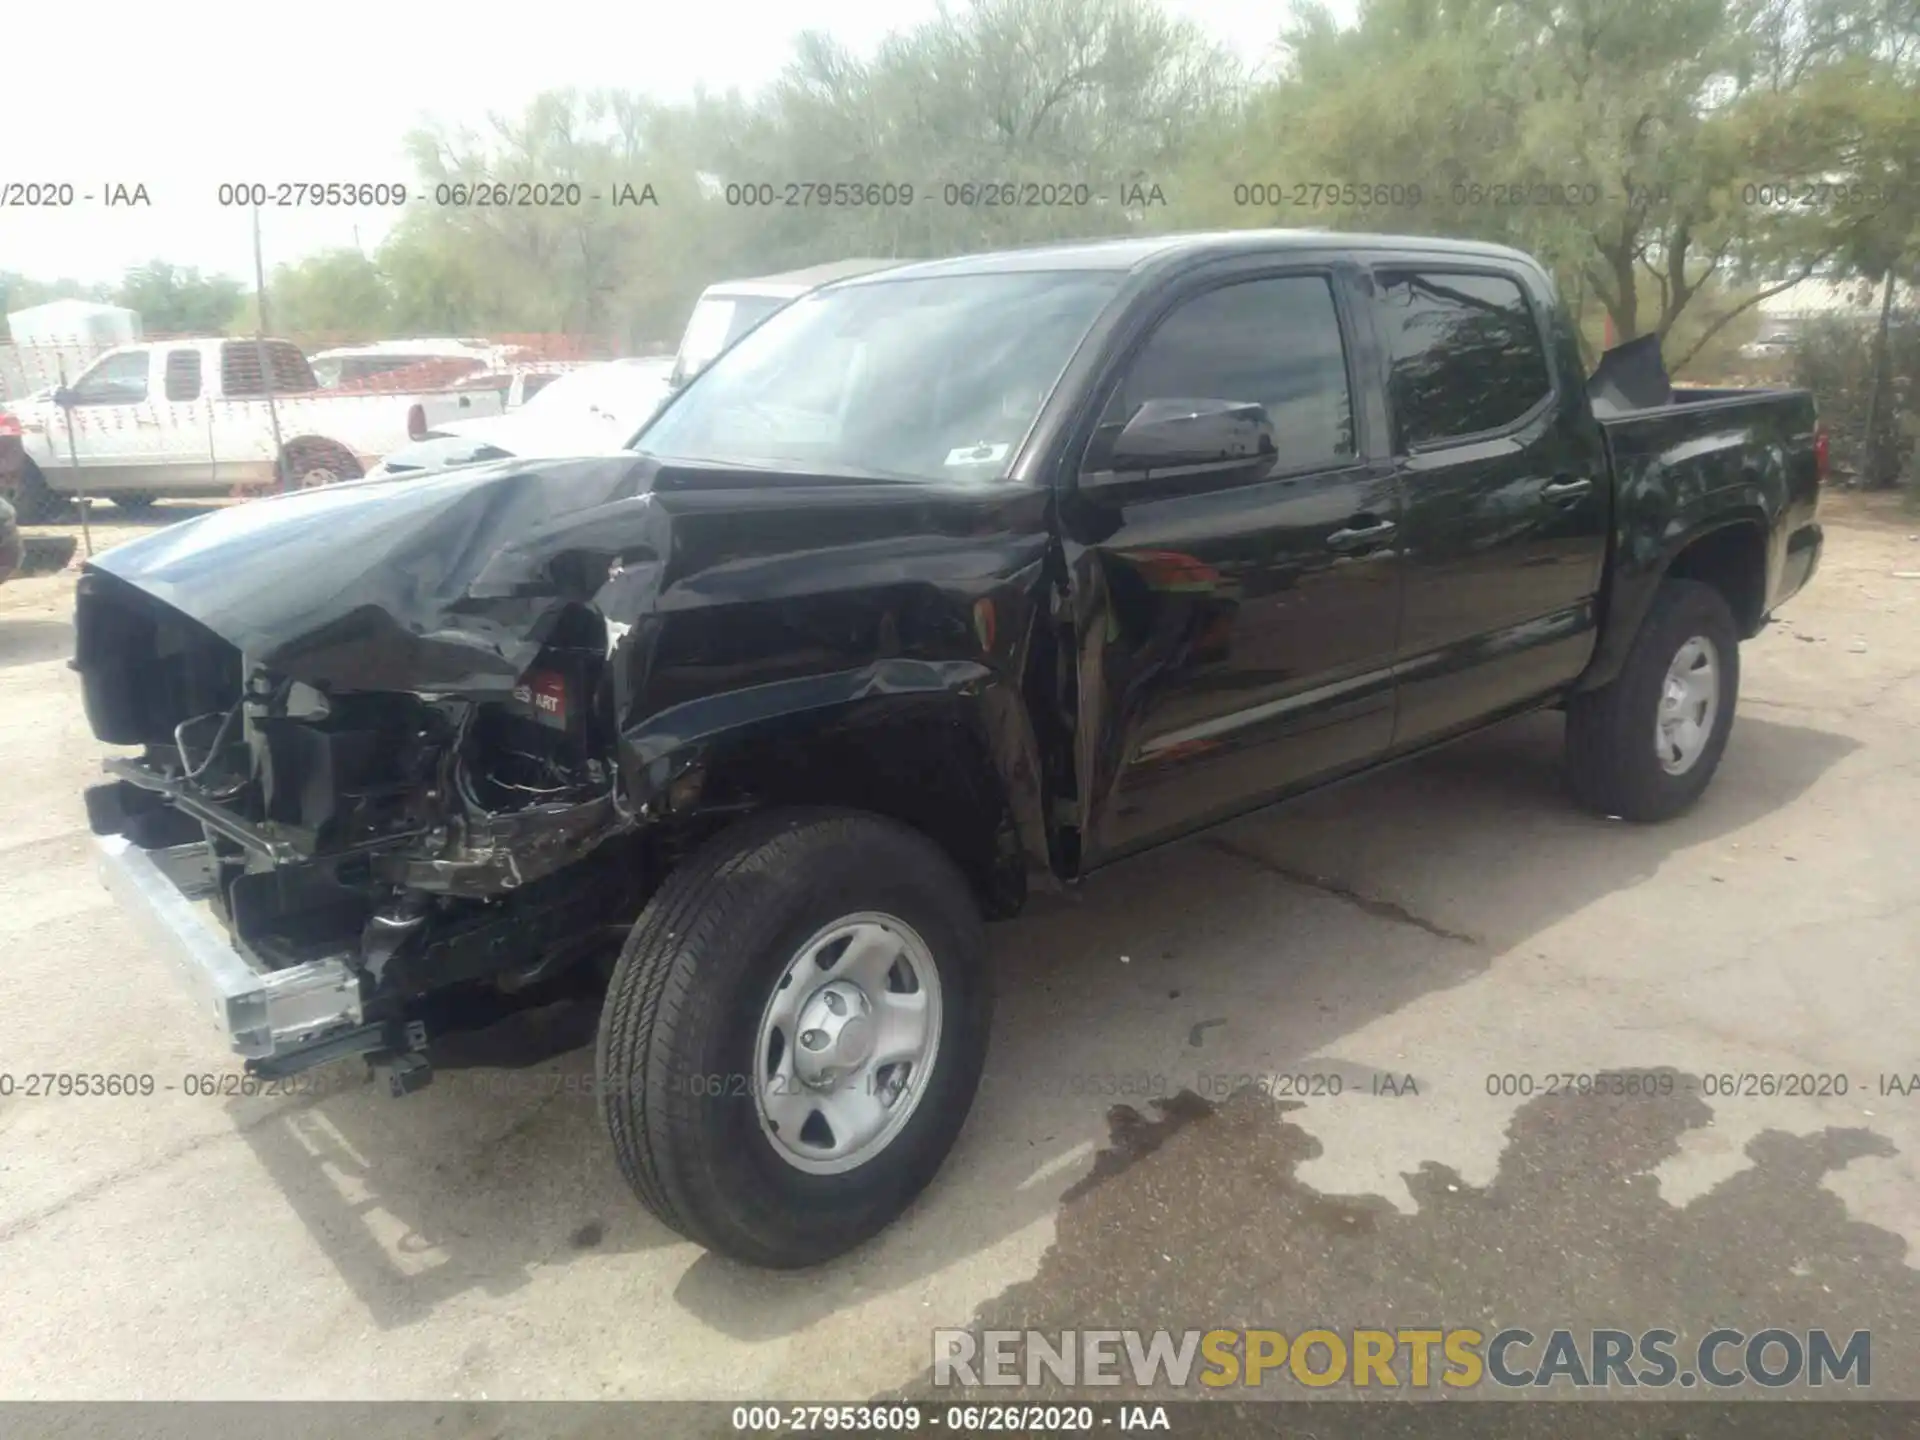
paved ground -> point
(1444, 922)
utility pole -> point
(260, 350)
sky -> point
(180, 98)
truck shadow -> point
(1245, 950)
(30, 640)
(496, 1170)
(156, 516)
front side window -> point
(116, 380)
(935, 379)
(1273, 342)
(1465, 353)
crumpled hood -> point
(445, 583)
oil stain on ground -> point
(1195, 1218)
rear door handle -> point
(1565, 489)
(1356, 537)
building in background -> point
(61, 336)
(1783, 316)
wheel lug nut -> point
(814, 1039)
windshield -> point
(915, 379)
(626, 394)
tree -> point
(1077, 99)
(338, 297)
(179, 300)
(1632, 144)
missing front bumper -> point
(265, 1014)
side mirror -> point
(64, 397)
(1191, 437)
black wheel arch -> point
(1730, 553)
(958, 765)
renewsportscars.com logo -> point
(1416, 1359)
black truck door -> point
(1235, 634)
(1504, 486)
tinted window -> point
(1275, 342)
(117, 380)
(240, 368)
(183, 375)
(1465, 351)
(936, 379)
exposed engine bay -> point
(428, 842)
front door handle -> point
(1565, 489)
(1355, 537)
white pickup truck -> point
(192, 418)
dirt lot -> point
(1449, 921)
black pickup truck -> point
(944, 584)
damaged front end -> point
(342, 870)
(365, 853)
(402, 757)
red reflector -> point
(417, 423)
(1821, 453)
(9, 425)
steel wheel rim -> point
(313, 479)
(1689, 704)
(846, 1043)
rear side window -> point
(1465, 353)
(1275, 342)
(183, 375)
(240, 374)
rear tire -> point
(688, 1086)
(34, 501)
(134, 504)
(1647, 745)
(312, 464)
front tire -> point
(1646, 746)
(768, 1089)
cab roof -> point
(794, 283)
(1133, 253)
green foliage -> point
(338, 297)
(1834, 360)
(179, 300)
